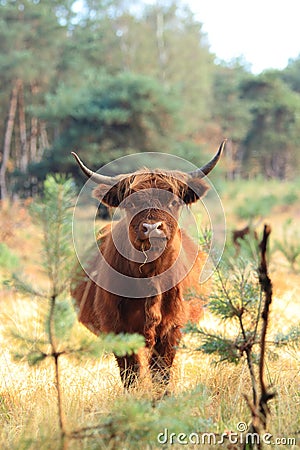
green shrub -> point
(141, 424)
(8, 259)
(253, 207)
(289, 246)
(290, 198)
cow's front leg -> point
(129, 366)
(162, 357)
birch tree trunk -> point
(44, 141)
(33, 139)
(7, 138)
(33, 131)
(22, 125)
(161, 47)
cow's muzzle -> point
(152, 230)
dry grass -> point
(28, 411)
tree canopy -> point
(115, 77)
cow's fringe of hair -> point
(175, 180)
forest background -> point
(120, 77)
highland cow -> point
(159, 262)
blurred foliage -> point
(120, 77)
(138, 423)
(273, 135)
(256, 207)
(251, 203)
(122, 114)
(292, 336)
(54, 213)
(289, 245)
(8, 259)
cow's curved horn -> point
(202, 171)
(96, 177)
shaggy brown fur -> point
(159, 318)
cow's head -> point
(152, 200)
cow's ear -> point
(196, 189)
(109, 196)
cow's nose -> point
(153, 229)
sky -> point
(265, 32)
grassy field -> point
(205, 396)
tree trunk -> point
(33, 139)
(44, 141)
(33, 150)
(161, 47)
(22, 124)
(7, 138)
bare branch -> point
(266, 285)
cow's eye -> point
(173, 203)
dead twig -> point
(259, 406)
(266, 285)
